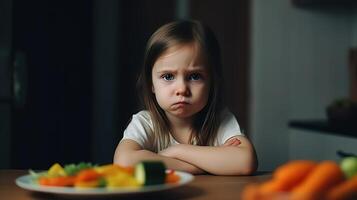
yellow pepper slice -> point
(56, 170)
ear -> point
(153, 89)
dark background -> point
(82, 61)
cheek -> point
(155, 87)
(160, 95)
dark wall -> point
(54, 123)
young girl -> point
(184, 124)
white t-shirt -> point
(140, 129)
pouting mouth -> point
(181, 102)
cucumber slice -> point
(150, 172)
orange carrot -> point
(272, 186)
(296, 170)
(254, 192)
(251, 192)
(57, 181)
(172, 178)
(323, 177)
(344, 191)
(87, 175)
(288, 176)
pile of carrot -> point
(304, 180)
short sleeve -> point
(139, 129)
(228, 128)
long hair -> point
(207, 121)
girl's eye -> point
(195, 77)
(167, 77)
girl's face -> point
(181, 81)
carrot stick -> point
(57, 181)
(272, 186)
(87, 175)
(323, 177)
(251, 192)
(172, 178)
(288, 176)
(296, 169)
(344, 191)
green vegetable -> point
(73, 169)
(102, 182)
(349, 166)
(150, 172)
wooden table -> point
(203, 187)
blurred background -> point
(68, 71)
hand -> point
(232, 142)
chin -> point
(182, 114)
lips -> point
(180, 104)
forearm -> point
(223, 160)
(130, 158)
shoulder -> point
(142, 116)
(226, 113)
(226, 116)
(228, 127)
(140, 123)
(140, 129)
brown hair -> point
(207, 121)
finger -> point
(236, 143)
(228, 143)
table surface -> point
(202, 187)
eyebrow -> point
(200, 70)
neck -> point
(178, 123)
(181, 128)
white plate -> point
(27, 183)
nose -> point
(182, 88)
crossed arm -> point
(235, 157)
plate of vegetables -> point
(110, 179)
